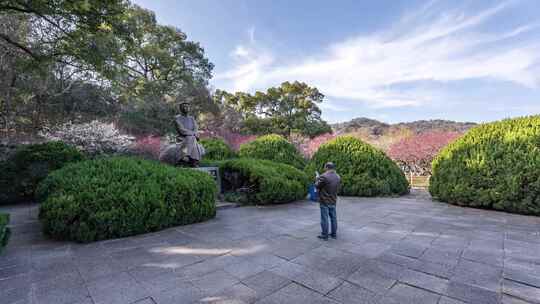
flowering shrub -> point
(235, 140)
(308, 147)
(147, 147)
(414, 154)
(93, 138)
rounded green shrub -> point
(4, 230)
(494, 166)
(30, 164)
(120, 196)
(216, 149)
(263, 181)
(364, 170)
(275, 148)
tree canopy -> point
(73, 32)
(54, 55)
(289, 108)
(111, 60)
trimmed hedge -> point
(263, 181)
(30, 164)
(364, 170)
(216, 149)
(493, 166)
(4, 230)
(120, 196)
(275, 148)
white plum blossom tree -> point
(94, 137)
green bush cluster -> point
(120, 196)
(4, 230)
(30, 164)
(263, 181)
(275, 148)
(216, 149)
(364, 170)
(495, 166)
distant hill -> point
(383, 135)
(376, 128)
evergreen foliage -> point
(262, 181)
(290, 108)
(120, 196)
(275, 148)
(4, 230)
(494, 166)
(30, 164)
(364, 170)
(216, 149)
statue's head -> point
(184, 107)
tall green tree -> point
(158, 60)
(73, 32)
(160, 66)
(52, 52)
(47, 47)
(287, 109)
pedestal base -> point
(214, 172)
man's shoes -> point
(322, 237)
(334, 236)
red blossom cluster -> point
(415, 153)
(147, 146)
(234, 140)
(309, 146)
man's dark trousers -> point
(328, 210)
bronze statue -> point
(187, 150)
(186, 126)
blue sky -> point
(392, 60)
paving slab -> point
(266, 282)
(236, 294)
(424, 281)
(404, 294)
(64, 289)
(185, 293)
(372, 281)
(348, 293)
(313, 279)
(521, 291)
(116, 289)
(389, 250)
(506, 299)
(447, 300)
(295, 293)
(472, 294)
(478, 274)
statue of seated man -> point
(190, 151)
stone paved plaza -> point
(390, 250)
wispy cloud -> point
(422, 46)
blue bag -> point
(313, 194)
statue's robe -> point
(187, 129)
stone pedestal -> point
(214, 172)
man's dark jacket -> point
(328, 185)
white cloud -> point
(421, 47)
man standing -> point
(328, 185)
